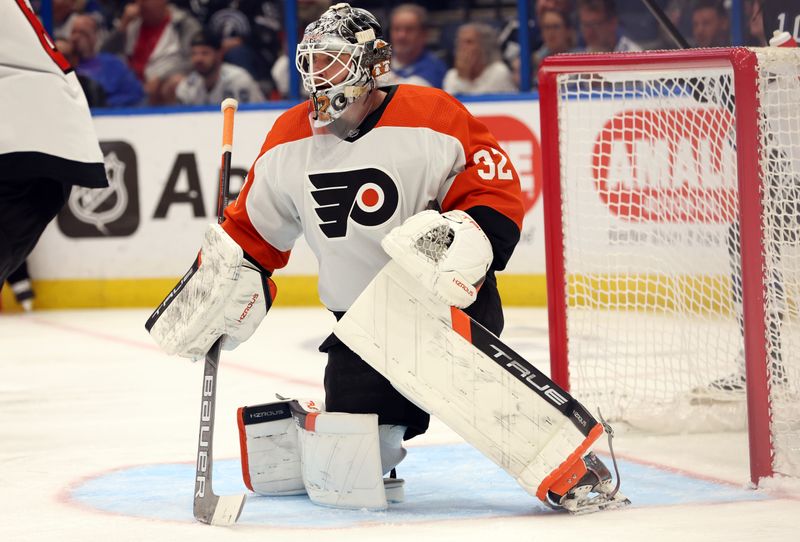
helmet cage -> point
(333, 75)
(338, 59)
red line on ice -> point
(146, 346)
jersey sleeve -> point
(240, 227)
(485, 185)
(262, 219)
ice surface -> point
(98, 433)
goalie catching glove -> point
(222, 294)
(448, 253)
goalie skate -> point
(594, 491)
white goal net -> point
(646, 232)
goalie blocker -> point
(223, 293)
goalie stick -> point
(208, 507)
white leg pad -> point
(496, 401)
(341, 462)
(270, 450)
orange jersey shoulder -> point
(424, 107)
(291, 125)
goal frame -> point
(748, 144)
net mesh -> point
(779, 127)
(651, 245)
(434, 243)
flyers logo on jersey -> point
(369, 197)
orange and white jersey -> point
(420, 148)
(46, 129)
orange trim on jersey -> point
(292, 125)
(241, 230)
(237, 224)
(432, 108)
(311, 421)
(460, 323)
(243, 448)
(558, 476)
(273, 290)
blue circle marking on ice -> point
(442, 483)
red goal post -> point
(671, 200)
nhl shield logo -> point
(106, 212)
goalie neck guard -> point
(339, 58)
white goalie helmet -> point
(339, 58)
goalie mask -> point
(339, 58)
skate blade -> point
(596, 504)
(706, 396)
(394, 488)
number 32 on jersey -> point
(492, 164)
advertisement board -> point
(125, 245)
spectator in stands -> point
(308, 11)
(213, 80)
(63, 13)
(250, 33)
(564, 6)
(640, 25)
(558, 36)
(509, 35)
(755, 24)
(508, 41)
(599, 27)
(118, 81)
(95, 95)
(680, 13)
(478, 68)
(155, 35)
(411, 62)
(710, 26)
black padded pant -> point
(351, 385)
(26, 208)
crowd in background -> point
(160, 52)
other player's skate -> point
(587, 487)
(730, 388)
(733, 387)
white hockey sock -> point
(391, 441)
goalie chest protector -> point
(419, 147)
